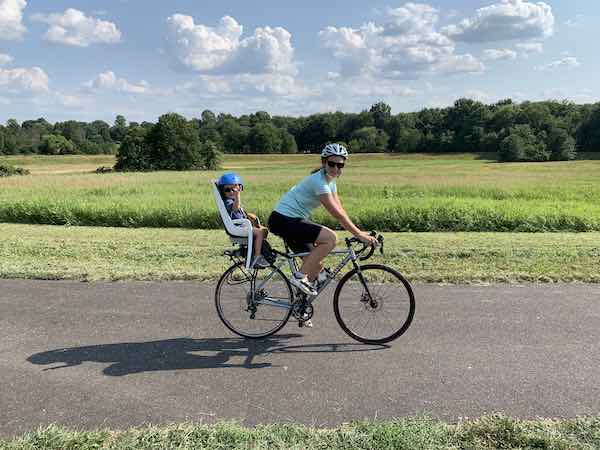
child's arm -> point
(237, 202)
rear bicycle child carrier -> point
(238, 230)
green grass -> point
(489, 432)
(383, 192)
(90, 253)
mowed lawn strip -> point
(489, 432)
(383, 192)
(102, 253)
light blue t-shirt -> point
(300, 200)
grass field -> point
(490, 432)
(90, 253)
(463, 192)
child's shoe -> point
(259, 262)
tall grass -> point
(387, 193)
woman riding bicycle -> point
(290, 218)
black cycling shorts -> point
(299, 234)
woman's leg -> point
(311, 265)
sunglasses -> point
(336, 164)
(228, 190)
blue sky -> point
(94, 59)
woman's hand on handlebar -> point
(367, 239)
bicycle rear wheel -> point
(384, 316)
(257, 317)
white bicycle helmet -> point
(334, 150)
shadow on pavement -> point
(174, 354)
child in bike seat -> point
(230, 185)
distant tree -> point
(13, 125)
(504, 102)
(503, 117)
(466, 118)
(318, 130)
(537, 115)
(260, 117)
(264, 138)
(381, 113)
(432, 122)
(208, 119)
(213, 158)
(72, 130)
(369, 139)
(174, 144)
(561, 145)
(31, 134)
(98, 132)
(522, 144)
(588, 134)
(133, 153)
(53, 144)
(407, 140)
(210, 133)
(234, 136)
(490, 142)
(10, 137)
(288, 143)
(119, 129)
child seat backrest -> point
(239, 230)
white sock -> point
(299, 275)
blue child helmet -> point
(230, 178)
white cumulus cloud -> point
(73, 27)
(509, 19)
(23, 81)
(530, 47)
(406, 46)
(244, 86)
(221, 49)
(460, 64)
(11, 19)
(495, 54)
(566, 62)
(575, 21)
(109, 81)
(478, 95)
(5, 59)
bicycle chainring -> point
(302, 310)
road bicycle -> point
(373, 303)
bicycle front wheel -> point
(253, 305)
(377, 308)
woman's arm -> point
(332, 204)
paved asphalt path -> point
(128, 354)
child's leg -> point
(257, 237)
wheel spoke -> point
(232, 301)
(392, 314)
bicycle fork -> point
(369, 297)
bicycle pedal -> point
(305, 323)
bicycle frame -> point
(290, 259)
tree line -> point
(527, 131)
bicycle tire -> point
(365, 269)
(228, 322)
